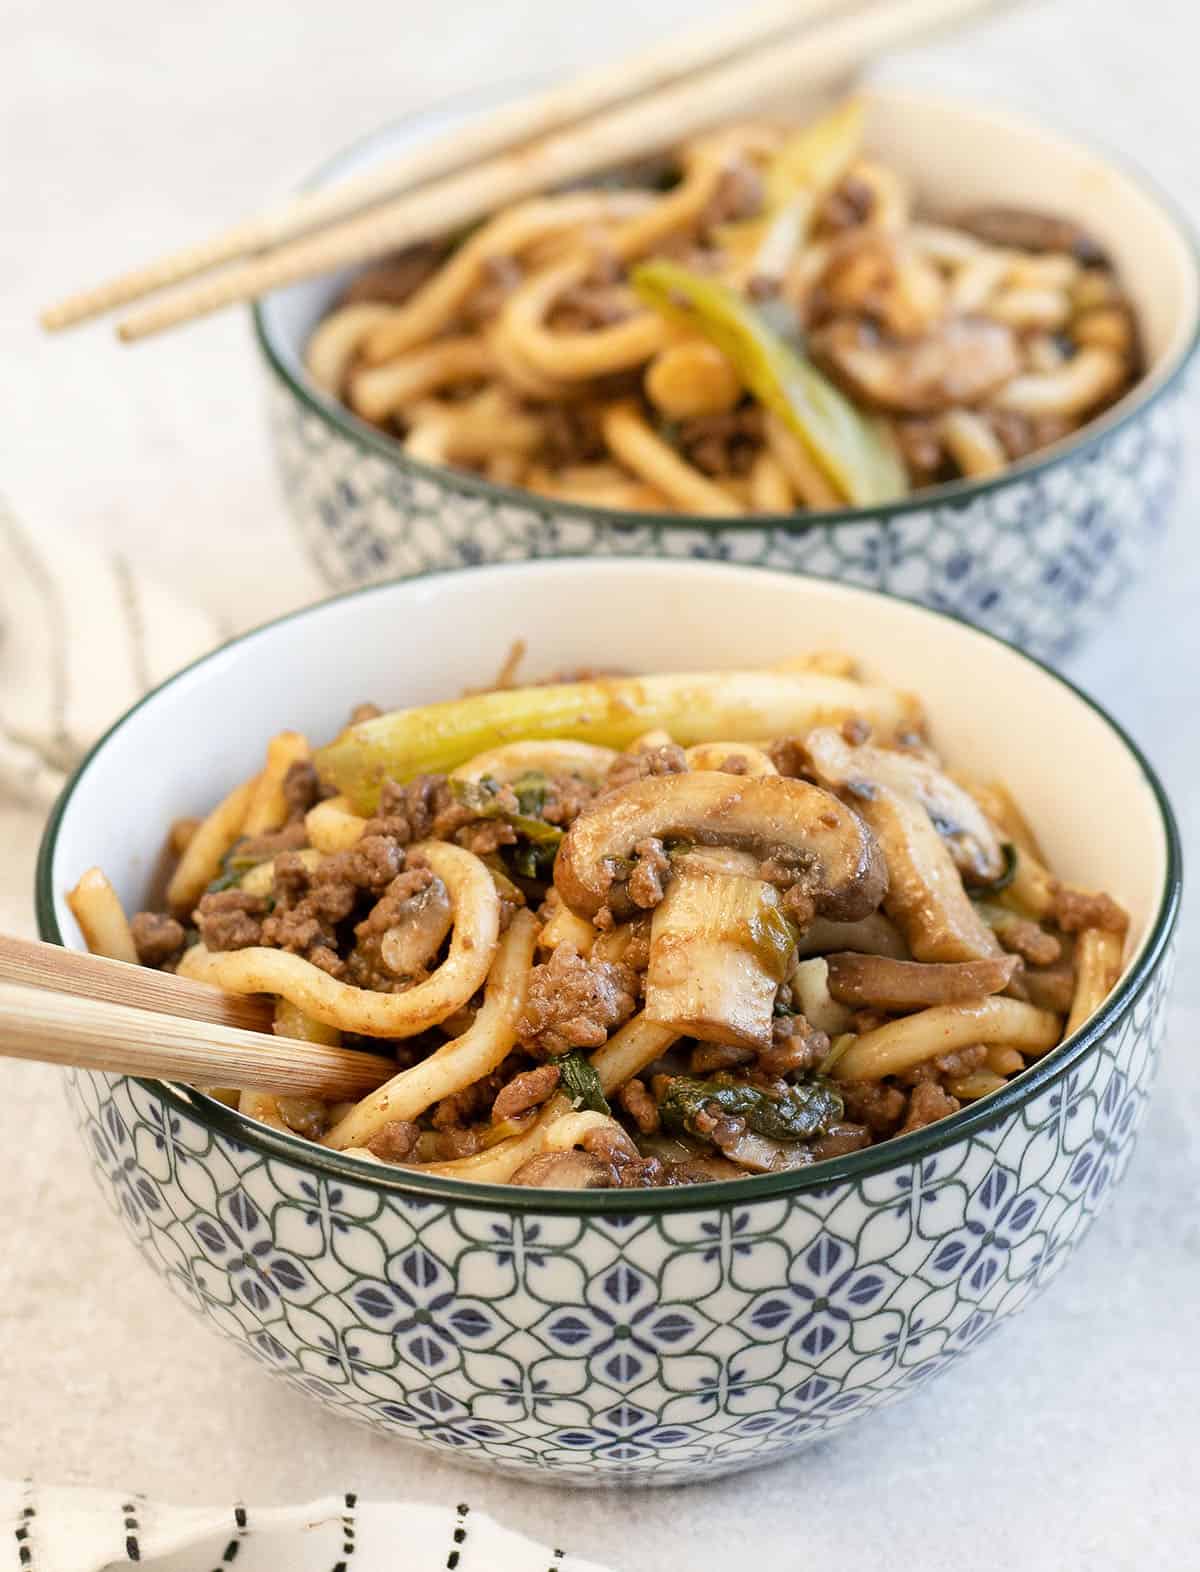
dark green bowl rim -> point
(729, 1193)
(959, 493)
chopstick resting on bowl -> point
(611, 116)
(61, 1007)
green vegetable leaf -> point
(581, 1083)
(234, 866)
(805, 1110)
(849, 448)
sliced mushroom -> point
(873, 935)
(408, 948)
(959, 820)
(772, 816)
(570, 1170)
(959, 361)
(879, 983)
(760, 1154)
(1023, 229)
(719, 948)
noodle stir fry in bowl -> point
(739, 1004)
(654, 966)
(892, 342)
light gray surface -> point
(131, 125)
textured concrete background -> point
(130, 126)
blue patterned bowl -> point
(1038, 555)
(604, 1336)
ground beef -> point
(393, 279)
(364, 712)
(796, 1047)
(394, 905)
(412, 808)
(873, 1103)
(574, 1003)
(847, 206)
(642, 762)
(499, 277)
(708, 1057)
(640, 1106)
(645, 884)
(157, 938)
(724, 444)
(946, 1066)
(301, 788)
(740, 193)
(230, 919)
(271, 842)
(789, 756)
(589, 306)
(927, 1104)
(529, 1089)
(1075, 910)
(566, 798)
(457, 1141)
(571, 435)
(1029, 940)
(395, 1141)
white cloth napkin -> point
(83, 634)
(59, 1529)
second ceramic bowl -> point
(1038, 554)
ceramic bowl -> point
(1037, 555)
(644, 1337)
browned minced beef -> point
(740, 193)
(566, 798)
(157, 938)
(394, 905)
(651, 862)
(1075, 910)
(230, 919)
(707, 1057)
(393, 279)
(789, 756)
(364, 712)
(928, 1103)
(797, 1047)
(847, 206)
(724, 444)
(1029, 940)
(629, 767)
(574, 1003)
(499, 276)
(426, 807)
(946, 1066)
(529, 1089)
(873, 1103)
(797, 878)
(395, 1141)
(301, 788)
(589, 306)
(291, 837)
(571, 435)
(640, 1106)
(1052, 989)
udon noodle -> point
(631, 932)
(762, 324)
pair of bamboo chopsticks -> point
(613, 115)
(61, 1007)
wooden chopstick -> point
(787, 64)
(93, 1034)
(35, 965)
(504, 128)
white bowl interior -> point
(995, 713)
(956, 156)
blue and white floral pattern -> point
(1039, 558)
(646, 1349)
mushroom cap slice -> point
(773, 816)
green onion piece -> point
(848, 448)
